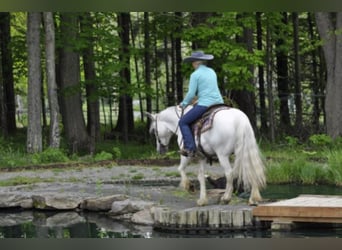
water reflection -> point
(28, 224)
(36, 224)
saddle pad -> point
(206, 121)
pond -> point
(36, 224)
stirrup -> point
(187, 153)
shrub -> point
(320, 140)
(50, 155)
(335, 167)
(103, 156)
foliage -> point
(233, 59)
(50, 155)
(102, 156)
(335, 167)
(320, 140)
(291, 141)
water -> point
(35, 224)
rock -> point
(61, 219)
(58, 202)
(129, 206)
(102, 203)
(12, 200)
(65, 219)
(8, 220)
(143, 217)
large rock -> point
(102, 203)
(129, 206)
(13, 200)
(13, 219)
(143, 217)
(56, 202)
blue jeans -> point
(185, 126)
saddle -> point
(205, 123)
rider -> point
(203, 85)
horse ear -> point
(151, 116)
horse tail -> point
(248, 164)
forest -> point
(74, 79)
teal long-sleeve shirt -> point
(203, 84)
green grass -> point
(334, 167)
(317, 161)
(23, 181)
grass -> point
(23, 181)
(318, 161)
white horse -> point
(231, 133)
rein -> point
(175, 132)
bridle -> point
(175, 132)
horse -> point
(231, 133)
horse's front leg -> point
(227, 196)
(203, 192)
(185, 183)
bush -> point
(335, 167)
(320, 140)
(103, 156)
(50, 155)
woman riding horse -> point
(203, 85)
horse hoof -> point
(253, 204)
(186, 185)
(202, 202)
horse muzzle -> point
(162, 149)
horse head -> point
(159, 128)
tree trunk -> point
(125, 123)
(269, 79)
(262, 91)
(315, 78)
(7, 72)
(283, 78)
(72, 114)
(147, 60)
(93, 105)
(297, 78)
(34, 128)
(327, 24)
(3, 120)
(178, 52)
(54, 137)
(245, 98)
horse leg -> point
(201, 178)
(185, 183)
(227, 196)
(255, 196)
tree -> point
(71, 102)
(282, 51)
(297, 74)
(93, 106)
(261, 79)
(34, 128)
(329, 26)
(54, 137)
(147, 60)
(7, 73)
(125, 123)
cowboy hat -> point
(198, 56)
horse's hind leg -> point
(255, 197)
(202, 201)
(185, 183)
(227, 196)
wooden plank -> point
(304, 208)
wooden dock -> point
(304, 208)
